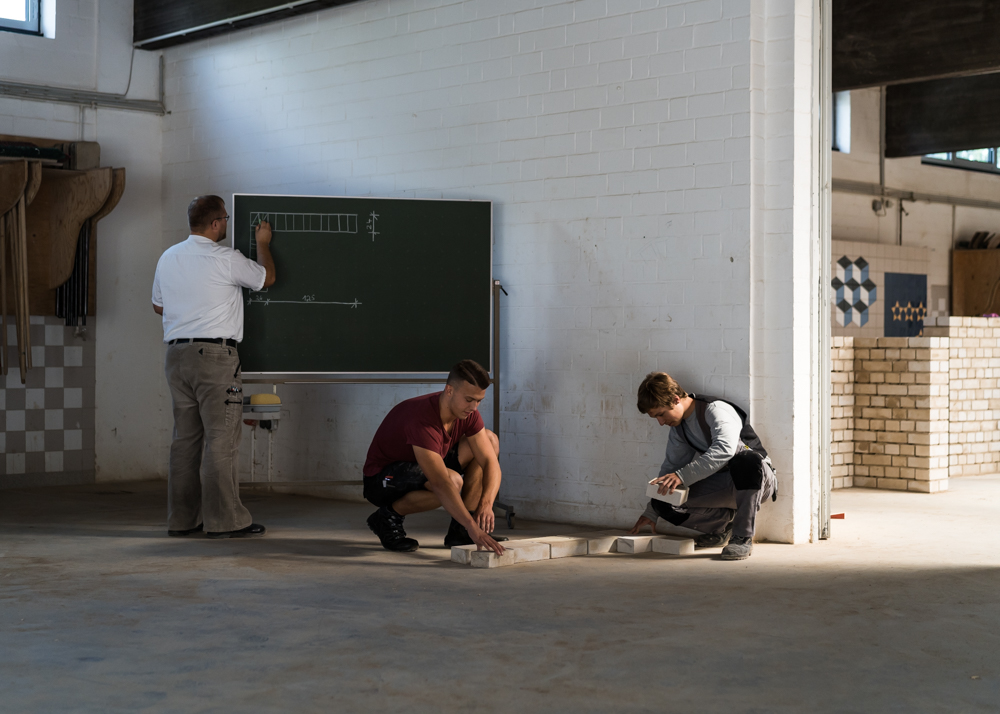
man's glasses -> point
(220, 218)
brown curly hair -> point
(657, 390)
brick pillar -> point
(842, 411)
(974, 351)
(901, 413)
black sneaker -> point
(713, 540)
(457, 535)
(388, 526)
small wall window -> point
(970, 159)
(842, 122)
(20, 16)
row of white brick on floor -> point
(551, 547)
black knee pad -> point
(668, 513)
(747, 470)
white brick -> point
(677, 498)
(673, 545)
(463, 553)
(600, 541)
(564, 546)
(514, 552)
(636, 544)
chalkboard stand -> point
(497, 289)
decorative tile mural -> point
(855, 291)
(905, 304)
(858, 288)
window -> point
(20, 16)
(972, 159)
(841, 122)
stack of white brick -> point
(842, 416)
(974, 351)
(909, 413)
(901, 413)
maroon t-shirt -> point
(416, 422)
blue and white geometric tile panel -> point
(854, 291)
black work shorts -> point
(400, 478)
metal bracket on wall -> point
(85, 98)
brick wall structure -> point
(842, 417)
(908, 413)
(974, 396)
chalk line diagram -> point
(262, 299)
(307, 222)
(301, 223)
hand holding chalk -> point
(262, 233)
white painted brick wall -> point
(91, 49)
(614, 137)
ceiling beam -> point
(942, 115)
(165, 24)
(885, 42)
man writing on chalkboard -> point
(197, 291)
(433, 451)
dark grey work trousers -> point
(714, 502)
(207, 390)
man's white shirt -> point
(198, 285)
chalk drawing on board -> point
(307, 222)
(372, 218)
(255, 297)
(301, 223)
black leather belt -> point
(213, 340)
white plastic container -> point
(677, 498)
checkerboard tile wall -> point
(47, 424)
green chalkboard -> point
(367, 285)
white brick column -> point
(782, 248)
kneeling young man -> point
(715, 453)
(433, 451)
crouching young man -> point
(433, 451)
(714, 452)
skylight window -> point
(20, 16)
(841, 134)
(972, 159)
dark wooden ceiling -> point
(942, 115)
(935, 58)
(882, 42)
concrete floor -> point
(101, 612)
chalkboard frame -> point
(490, 324)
